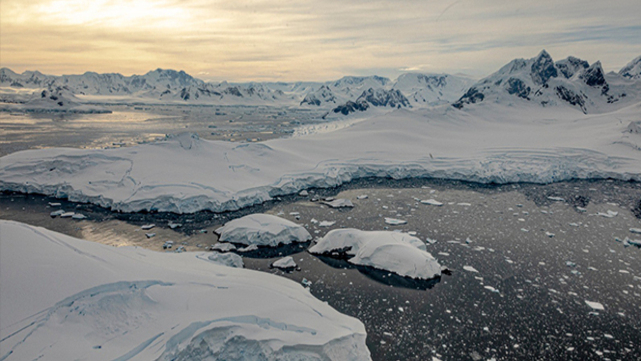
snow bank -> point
(396, 252)
(486, 143)
(262, 230)
(106, 303)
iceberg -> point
(263, 230)
(395, 252)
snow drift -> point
(105, 303)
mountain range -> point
(540, 80)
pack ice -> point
(396, 252)
(262, 230)
(105, 303)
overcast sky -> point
(240, 40)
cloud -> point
(309, 40)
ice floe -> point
(227, 259)
(262, 230)
(396, 252)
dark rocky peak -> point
(570, 66)
(351, 107)
(594, 75)
(382, 98)
(543, 68)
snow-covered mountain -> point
(431, 89)
(568, 82)
(632, 70)
(392, 98)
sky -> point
(240, 40)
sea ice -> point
(340, 203)
(285, 263)
(227, 259)
(394, 221)
(432, 202)
(595, 305)
(262, 230)
(396, 252)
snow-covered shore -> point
(488, 143)
(63, 298)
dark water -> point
(526, 302)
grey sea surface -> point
(537, 272)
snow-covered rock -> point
(263, 230)
(106, 303)
(396, 252)
(227, 259)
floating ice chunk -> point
(362, 196)
(67, 215)
(395, 252)
(524, 230)
(634, 242)
(326, 223)
(294, 213)
(557, 199)
(573, 224)
(635, 230)
(54, 204)
(306, 283)
(581, 209)
(394, 221)
(223, 247)
(491, 289)
(340, 203)
(78, 216)
(314, 221)
(249, 248)
(570, 264)
(412, 233)
(470, 269)
(262, 230)
(57, 213)
(464, 204)
(430, 240)
(432, 202)
(149, 235)
(227, 259)
(608, 214)
(148, 226)
(303, 193)
(443, 254)
(549, 234)
(284, 263)
(174, 225)
(595, 305)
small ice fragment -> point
(432, 202)
(67, 215)
(470, 269)
(595, 305)
(326, 223)
(54, 204)
(524, 230)
(314, 221)
(78, 216)
(303, 193)
(557, 199)
(284, 263)
(148, 226)
(608, 214)
(249, 248)
(573, 224)
(430, 240)
(149, 235)
(340, 203)
(223, 247)
(57, 213)
(464, 204)
(412, 233)
(394, 221)
(294, 213)
(174, 225)
(570, 264)
(635, 230)
(443, 254)
(491, 289)
(305, 282)
(549, 234)
(581, 209)
(362, 196)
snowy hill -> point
(570, 82)
(106, 303)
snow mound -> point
(396, 252)
(263, 230)
(227, 259)
(67, 299)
